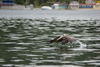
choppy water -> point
(23, 42)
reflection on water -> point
(23, 43)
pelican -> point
(63, 39)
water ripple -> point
(23, 43)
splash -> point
(82, 45)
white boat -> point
(46, 8)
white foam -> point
(82, 45)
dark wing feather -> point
(54, 40)
(64, 41)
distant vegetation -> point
(44, 2)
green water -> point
(23, 43)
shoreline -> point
(87, 9)
(52, 9)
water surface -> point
(49, 14)
(23, 38)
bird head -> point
(64, 34)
